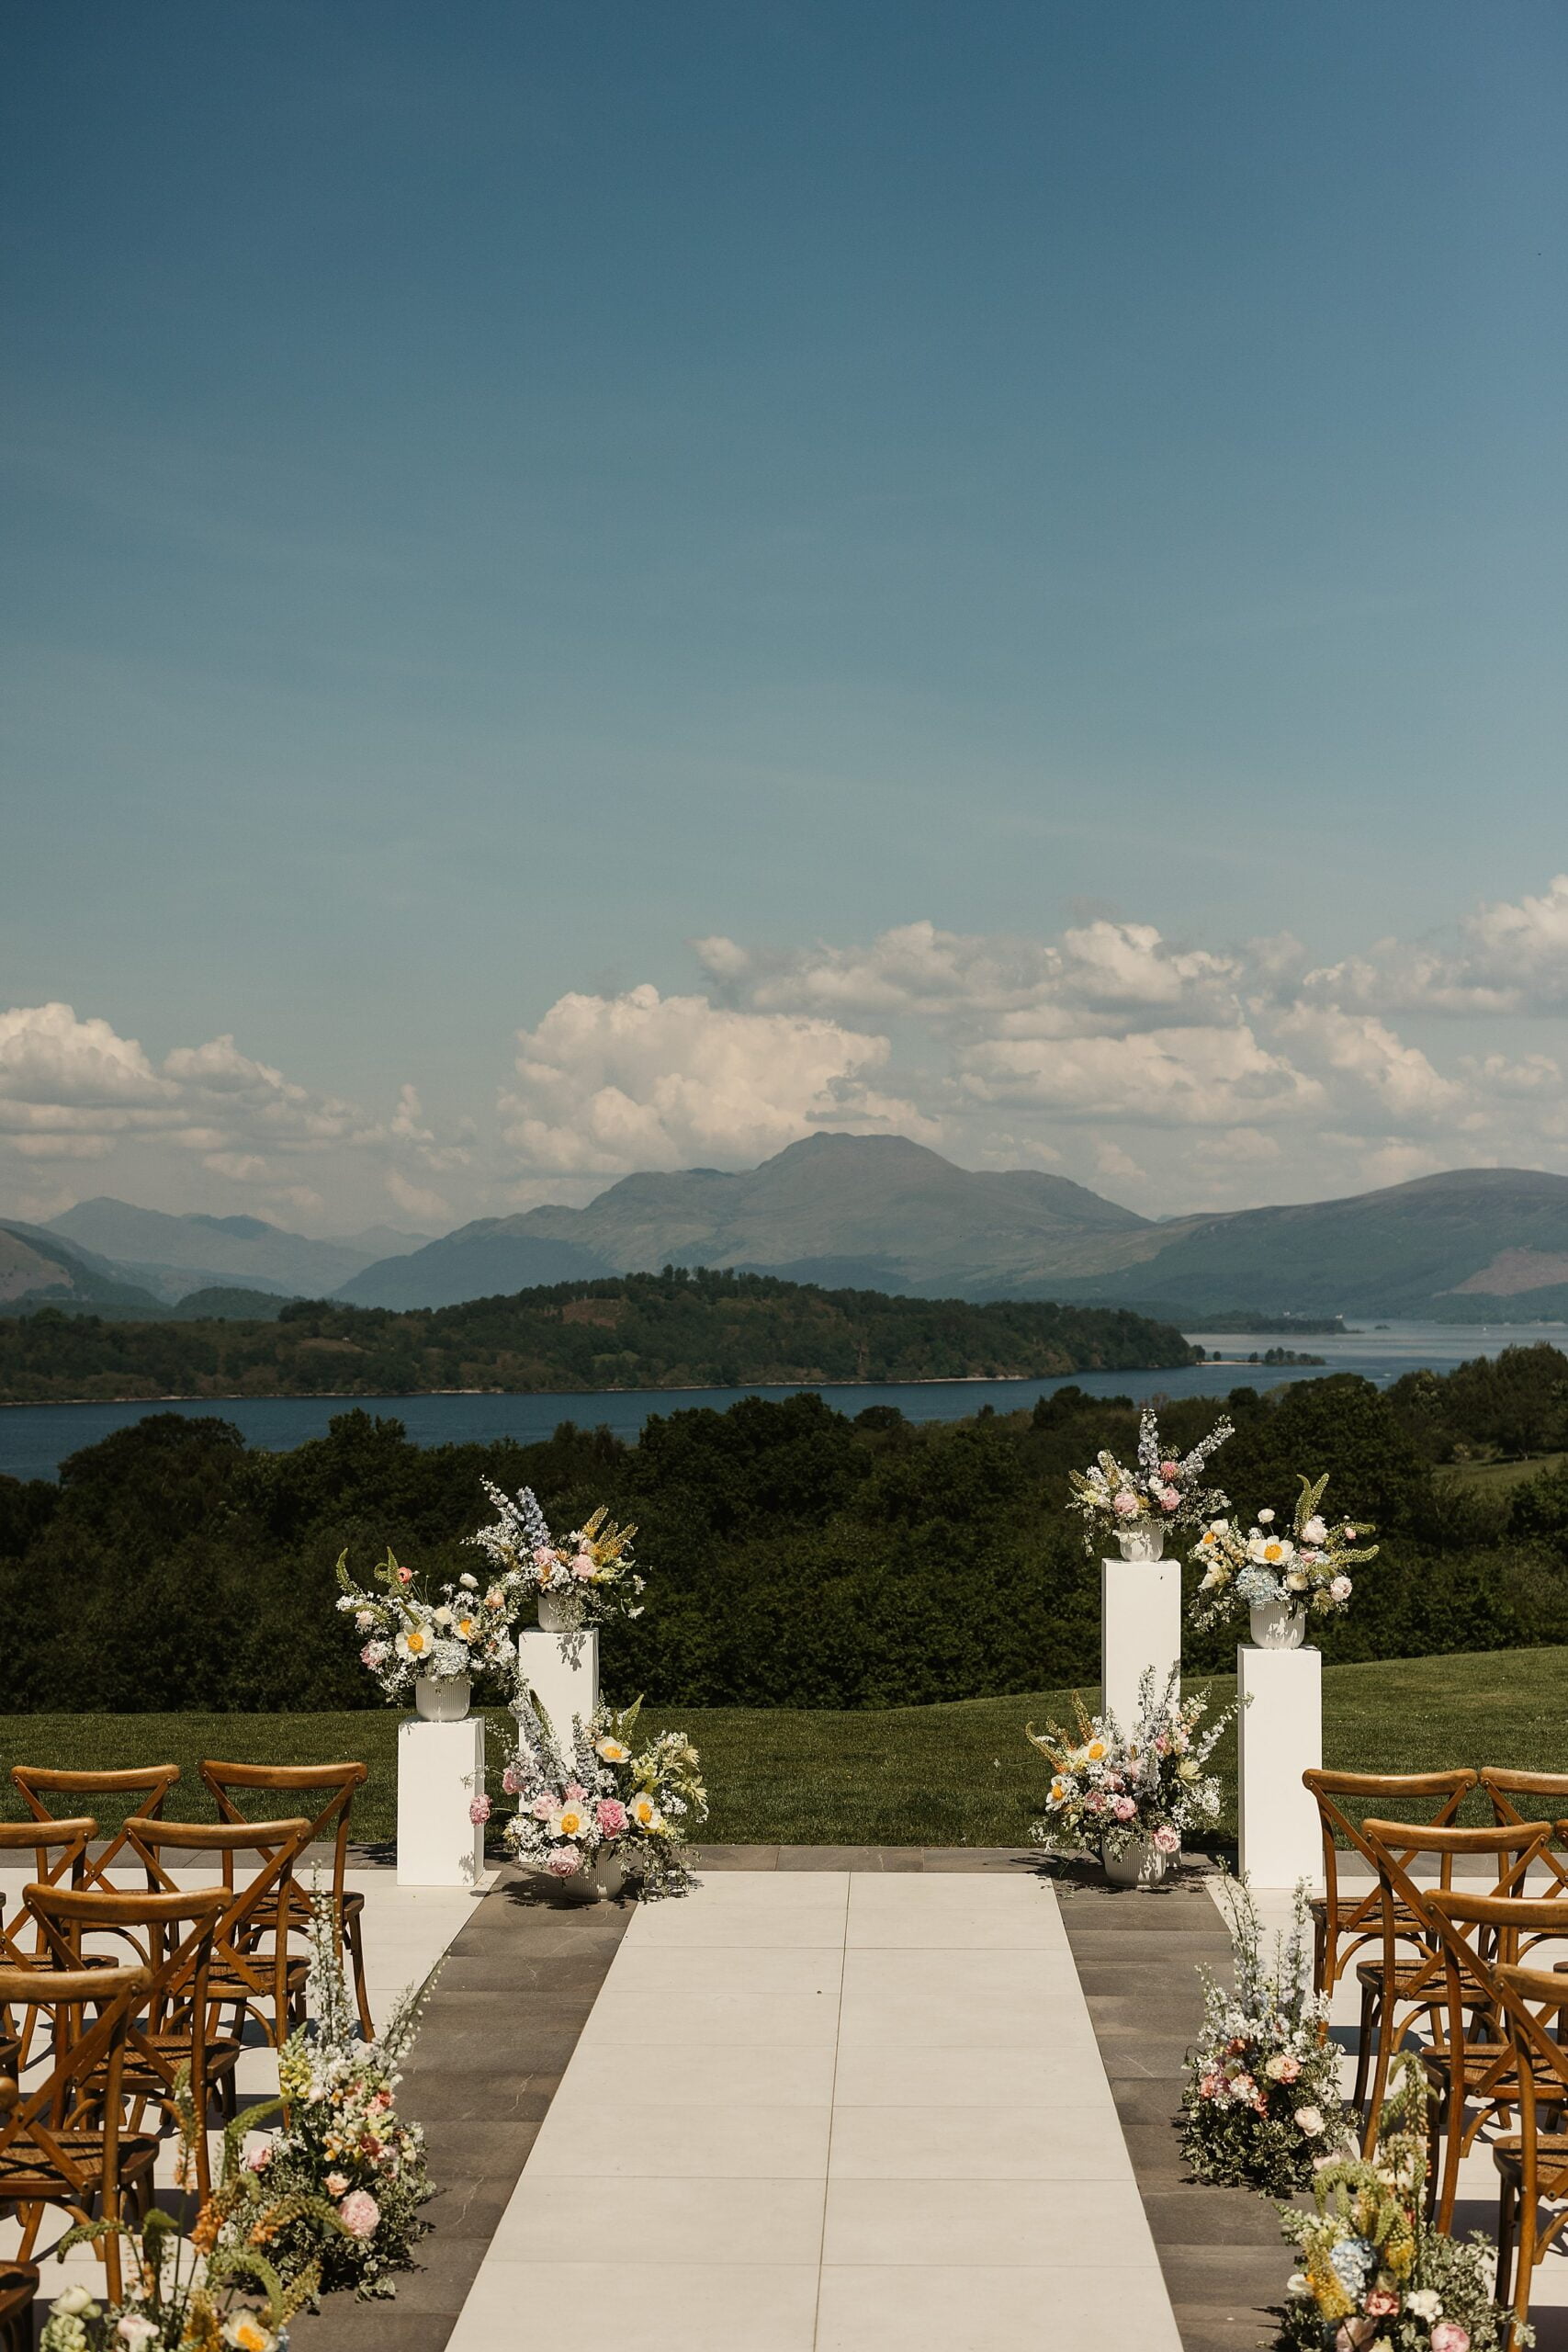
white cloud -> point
(416, 1200)
(1159, 1078)
(609, 1084)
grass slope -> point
(904, 1776)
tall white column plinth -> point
(1140, 1626)
(562, 1671)
(441, 1770)
(1281, 1737)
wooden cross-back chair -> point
(62, 2142)
(1346, 1921)
(150, 1782)
(18, 2290)
(170, 1937)
(1545, 1792)
(1532, 2163)
(253, 1970)
(227, 1781)
(58, 1852)
(1473, 2067)
(1409, 1975)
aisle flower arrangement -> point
(406, 1635)
(1108, 1789)
(1163, 1491)
(586, 1579)
(221, 2288)
(1305, 1567)
(607, 1799)
(1261, 2103)
(344, 2147)
(1375, 2275)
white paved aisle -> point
(842, 2110)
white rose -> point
(1309, 2121)
(1426, 2302)
(74, 2302)
(1314, 1532)
(1340, 1589)
(1296, 1581)
(1265, 1519)
(1211, 1577)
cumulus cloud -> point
(643, 1080)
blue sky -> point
(499, 493)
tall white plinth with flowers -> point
(1280, 1692)
(562, 1671)
(441, 1774)
(1140, 1627)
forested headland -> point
(679, 1330)
(795, 1556)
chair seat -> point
(265, 1913)
(1480, 2058)
(140, 2079)
(1409, 1973)
(225, 1982)
(1551, 2163)
(28, 2175)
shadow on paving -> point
(1137, 1953)
(513, 1993)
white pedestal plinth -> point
(562, 1671)
(1281, 1737)
(441, 1770)
(1140, 1626)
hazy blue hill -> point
(36, 1270)
(228, 1302)
(171, 1255)
(479, 1260)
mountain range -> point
(867, 1211)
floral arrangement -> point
(465, 1630)
(346, 2151)
(1374, 2276)
(591, 1577)
(607, 1800)
(1107, 1790)
(1305, 1568)
(1163, 1491)
(215, 2290)
(1262, 2099)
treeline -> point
(675, 1330)
(794, 1556)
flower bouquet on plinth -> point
(431, 1648)
(1262, 2102)
(607, 1812)
(589, 1578)
(344, 2147)
(1375, 2275)
(1278, 1575)
(1136, 1507)
(1133, 1797)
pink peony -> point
(259, 2158)
(1210, 2086)
(575, 1793)
(542, 1808)
(1341, 1589)
(479, 1809)
(1168, 1499)
(612, 1814)
(544, 1557)
(1167, 1839)
(1382, 2303)
(359, 2214)
(1170, 1472)
(1124, 1807)
(511, 1781)
(1448, 2337)
(1285, 2068)
(337, 2184)
(584, 1567)
(1124, 1505)
(564, 1861)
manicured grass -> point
(904, 1776)
(1498, 1477)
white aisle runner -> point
(818, 2109)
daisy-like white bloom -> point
(415, 1643)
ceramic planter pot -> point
(553, 1618)
(600, 1882)
(1277, 1625)
(441, 1698)
(1140, 1863)
(1146, 1542)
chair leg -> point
(351, 1938)
(1506, 2203)
(1371, 2004)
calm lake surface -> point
(35, 1439)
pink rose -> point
(1382, 2303)
(544, 1557)
(575, 1793)
(542, 1808)
(564, 1861)
(479, 1809)
(260, 2159)
(359, 2214)
(611, 1816)
(1210, 2086)
(1285, 2068)
(1170, 1472)
(1448, 2337)
(585, 1566)
(1168, 1499)
(1124, 1505)
(1167, 1839)
(511, 1781)
(373, 1655)
(1243, 2086)
(1124, 1807)
(337, 2184)
(405, 1575)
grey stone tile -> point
(1198, 2216)
(1221, 2327)
(478, 2095)
(1144, 2103)
(1127, 2058)
(1235, 2276)
(464, 2208)
(735, 1858)
(479, 2148)
(1010, 1861)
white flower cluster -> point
(1163, 1491)
(606, 1798)
(1306, 1567)
(1262, 2097)
(587, 1580)
(1107, 1789)
(463, 1630)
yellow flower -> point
(1273, 1552)
(467, 1629)
(612, 1750)
(644, 1812)
(1095, 1752)
(570, 1820)
(246, 2334)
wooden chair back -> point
(1348, 1922)
(1544, 1792)
(1480, 1934)
(229, 1782)
(18, 2290)
(1409, 1917)
(252, 1966)
(50, 2153)
(151, 1783)
(58, 1851)
(1528, 1997)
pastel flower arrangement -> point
(344, 2147)
(1306, 1567)
(1261, 2103)
(589, 1578)
(465, 1630)
(219, 2289)
(1163, 1491)
(1108, 1789)
(606, 1800)
(1375, 2275)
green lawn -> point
(907, 1776)
(1497, 1478)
